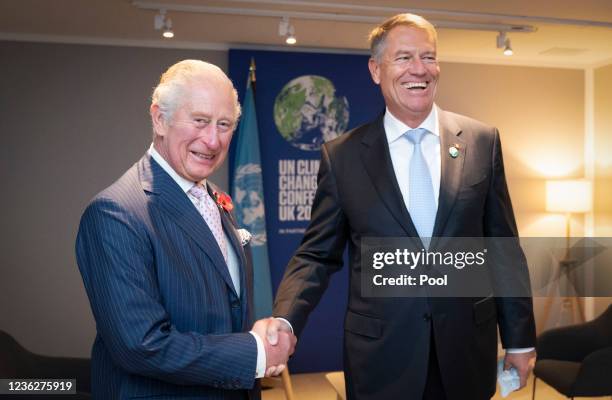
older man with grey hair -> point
(168, 278)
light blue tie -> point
(421, 201)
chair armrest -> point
(594, 376)
(64, 367)
(570, 343)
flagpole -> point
(248, 191)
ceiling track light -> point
(287, 30)
(164, 24)
(508, 49)
(502, 41)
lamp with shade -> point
(569, 196)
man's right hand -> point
(279, 343)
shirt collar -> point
(394, 128)
(184, 184)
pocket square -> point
(245, 236)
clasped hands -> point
(279, 343)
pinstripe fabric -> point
(169, 322)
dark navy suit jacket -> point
(387, 339)
(169, 322)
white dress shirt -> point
(233, 264)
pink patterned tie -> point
(209, 210)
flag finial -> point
(252, 71)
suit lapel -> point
(171, 199)
(377, 161)
(451, 168)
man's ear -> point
(157, 118)
(374, 70)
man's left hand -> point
(523, 362)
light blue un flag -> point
(248, 196)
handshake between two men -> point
(279, 343)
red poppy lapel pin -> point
(224, 201)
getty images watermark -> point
(479, 267)
(422, 259)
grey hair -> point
(379, 34)
(176, 79)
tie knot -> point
(416, 135)
(198, 192)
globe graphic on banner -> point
(307, 113)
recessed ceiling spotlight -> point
(164, 24)
(508, 49)
(502, 41)
(168, 32)
(287, 30)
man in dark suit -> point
(416, 171)
(166, 269)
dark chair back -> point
(18, 362)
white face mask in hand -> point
(508, 380)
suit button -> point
(235, 304)
(427, 317)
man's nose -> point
(417, 66)
(210, 136)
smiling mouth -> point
(202, 156)
(415, 86)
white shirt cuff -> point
(522, 350)
(260, 370)
(287, 322)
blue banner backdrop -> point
(302, 100)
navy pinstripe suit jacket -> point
(169, 322)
